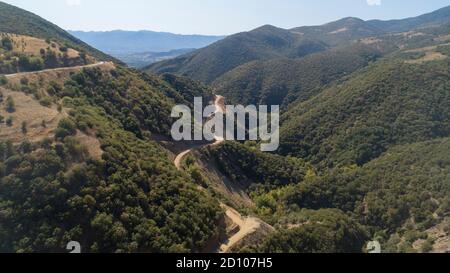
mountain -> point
(93, 172)
(403, 221)
(355, 121)
(120, 41)
(364, 139)
(268, 42)
(19, 21)
(371, 152)
(283, 81)
(79, 160)
(439, 17)
(342, 31)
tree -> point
(50, 59)
(30, 63)
(24, 81)
(66, 127)
(7, 43)
(3, 80)
(24, 128)
(83, 56)
(10, 105)
(427, 246)
(9, 121)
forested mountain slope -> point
(371, 145)
(340, 32)
(78, 161)
(269, 42)
(400, 198)
(266, 42)
(283, 81)
(127, 198)
(391, 102)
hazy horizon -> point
(218, 17)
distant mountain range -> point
(119, 41)
(127, 45)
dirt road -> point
(247, 226)
(55, 69)
(220, 108)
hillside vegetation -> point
(364, 143)
(283, 81)
(264, 43)
(269, 42)
(388, 103)
(21, 53)
(132, 199)
(18, 21)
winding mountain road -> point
(247, 225)
(219, 103)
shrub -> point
(3, 80)
(24, 127)
(30, 63)
(66, 127)
(46, 101)
(9, 121)
(54, 88)
(7, 43)
(24, 81)
(444, 50)
(10, 105)
(427, 246)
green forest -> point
(132, 200)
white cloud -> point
(374, 2)
(73, 3)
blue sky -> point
(221, 17)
